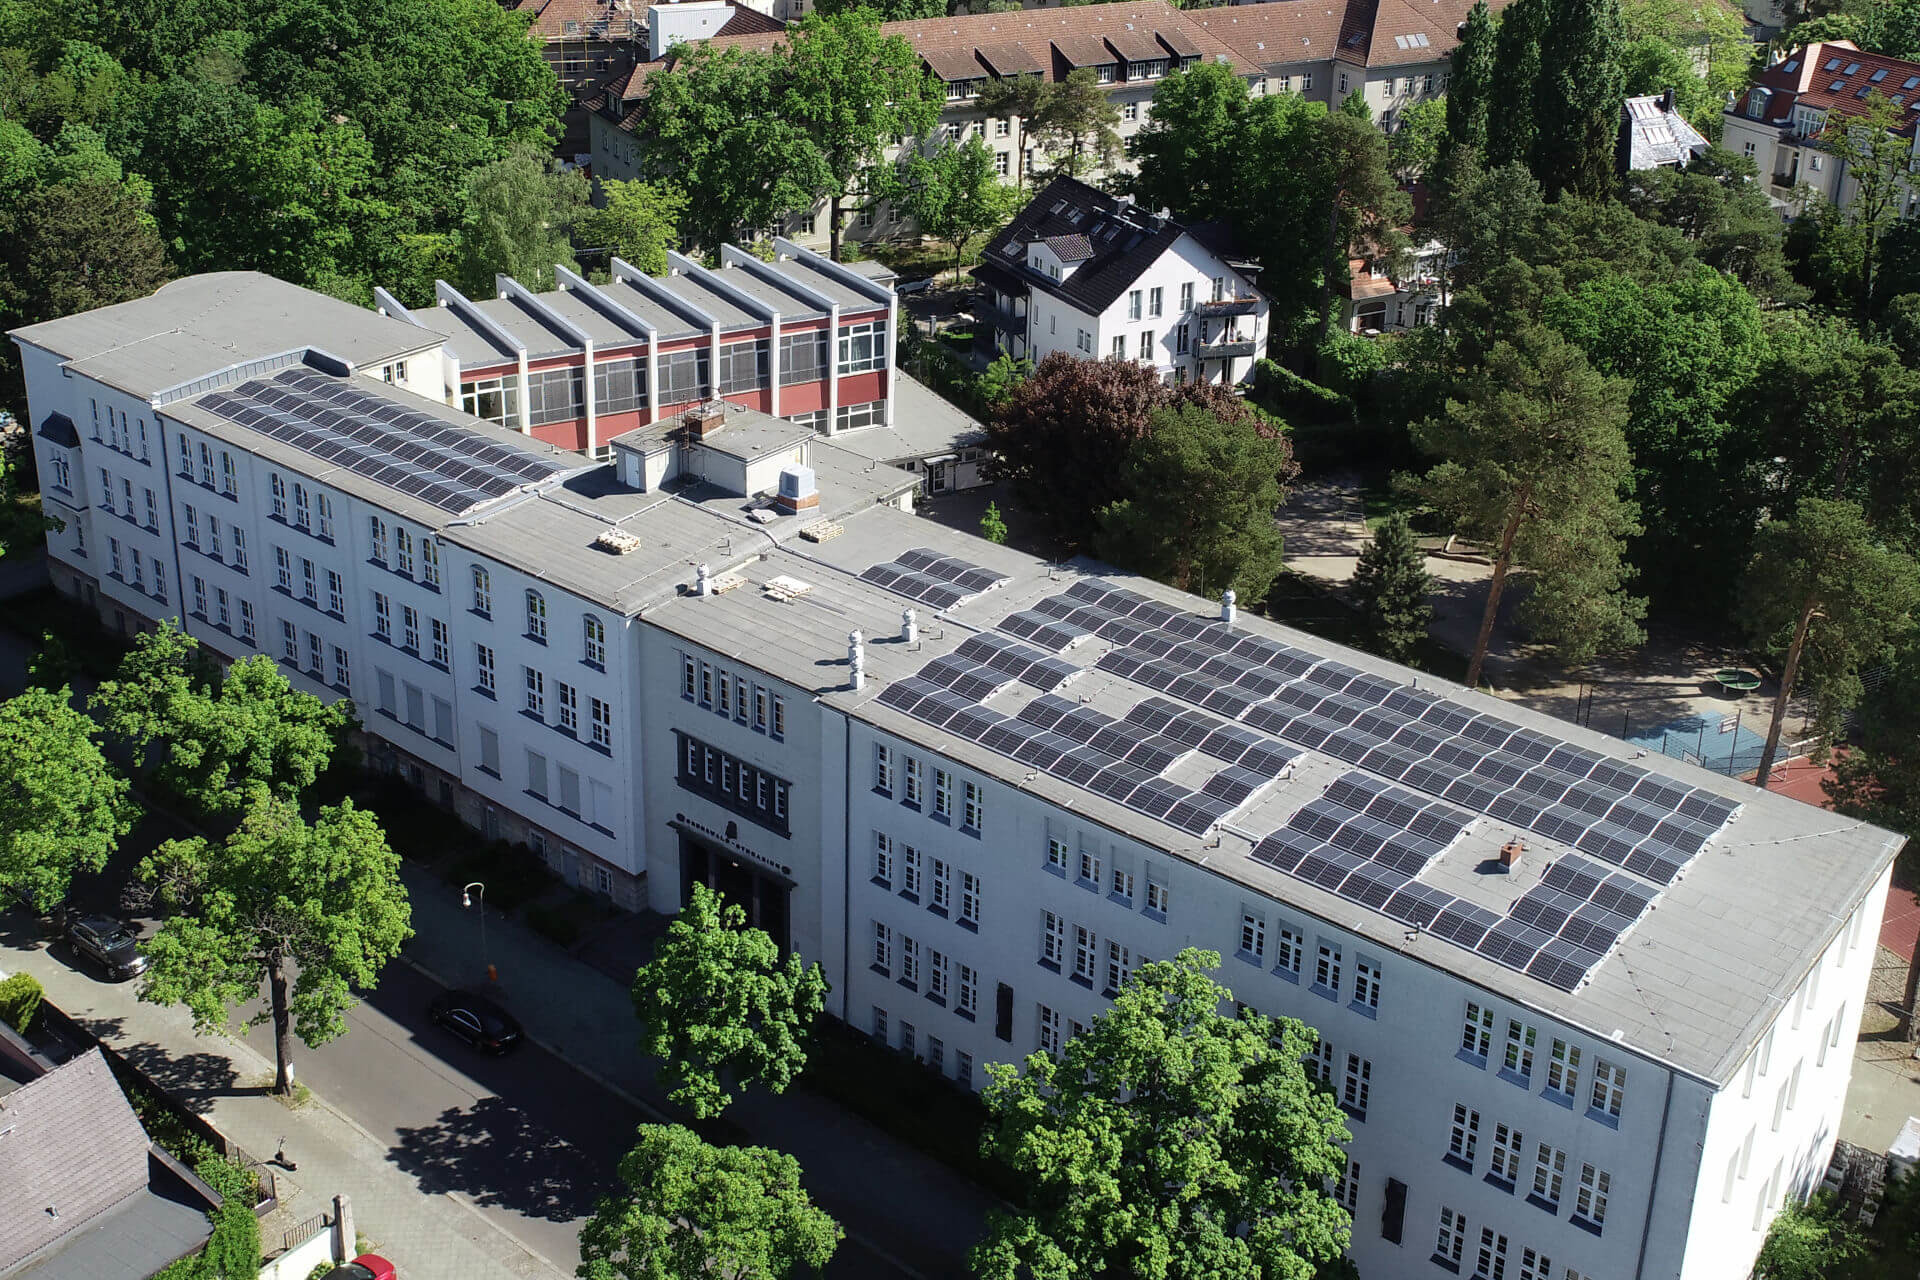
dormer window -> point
(959, 89)
(1151, 69)
(1107, 72)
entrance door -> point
(761, 896)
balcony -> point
(995, 316)
(1228, 307)
(1224, 348)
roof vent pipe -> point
(856, 661)
(703, 581)
(1228, 609)
(909, 626)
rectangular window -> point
(377, 538)
(239, 546)
(1549, 1171)
(220, 613)
(429, 560)
(1609, 1088)
(683, 376)
(1119, 346)
(1086, 950)
(863, 346)
(970, 898)
(1590, 1202)
(743, 366)
(555, 395)
(1491, 1262)
(1158, 896)
(620, 385)
(153, 511)
(1253, 937)
(314, 653)
(971, 809)
(482, 591)
(483, 662)
(229, 481)
(336, 594)
(1146, 344)
(909, 962)
(593, 642)
(943, 793)
(803, 357)
(1133, 304)
(1505, 1161)
(409, 628)
(113, 555)
(1049, 1030)
(213, 536)
(602, 713)
(1359, 1084)
(1535, 1265)
(302, 509)
(246, 621)
(940, 878)
(1463, 1142)
(1476, 1037)
(880, 1025)
(289, 641)
(495, 399)
(1123, 885)
(309, 582)
(382, 617)
(1366, 985)
(883, 859)
(200, 596)
(439, 630)
(1326, 968)
(1089, 868)
(1346, 1192)
(967, 994)
(1563, 1068)
(283, 569)
(1053, 938)
(1453, 1236)
(279, 489)
(537, 616)
(568, 699)
(1154, 299)
(1518, 1059)
(936, 974)
(882, 768)
(193, 526)
(910, 871)
(1057, 853)
(536, 683)
(779, 730)
(1292, 946)
(323, 505)
(1119, 966)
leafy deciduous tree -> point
(1168, 1140)
(691, 1211)
(638, 222)
(315, 910)
(955, 196)
(1015, 98)
(519, 216)
(721, 1009)
(63, 808)
(1076, 114)
(1200, 496)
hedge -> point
(20, 997)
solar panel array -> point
(1368, 841)
(449, 467)
(931, 578)
(1119, 759)
(1616, 812)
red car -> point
(368, 1266)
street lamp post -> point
(468, 897)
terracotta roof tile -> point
(1837, 77)
(1281, 32)
(1077, 32)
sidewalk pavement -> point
(426, 1237)
(913, 1211)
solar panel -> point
(1512, 943)
(1033, 626)
(1418, 905)
(1154, 714)
(1463, 924)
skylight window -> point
(1851, 68)
(1912, 82)
(1792, 64)
(1877, 76)
(1863, 91)
(1836, 86)
(1832, 63)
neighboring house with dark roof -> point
(1097, 276)
(1653, 135)
(1394, 51)
(1780, 121)
(84, 1195)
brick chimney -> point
(1510, 853)
(703, 420)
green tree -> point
(1876, 158)
(1168, 1140)
(1577, 98)
(637, 222)
(75, 246)
(1470, 90)
(1392, 584)
(690, 1211)
(221, 743)
(1878, 779)
(715, 124)
(519, 217)
(1719, 208)
(1076, 116)
(1186, 151)
(1824, 594)
(1063, 438)
(955, 196)
(63, 808)
(1536, 468)
(992, 526)
(1018, 99)
(1200, 496)
(855, 89)
(1413, 148)
(1809, 1242)
(1364, 207)
(721, 1009)
(313, 910)
(1512, 125)
(891, 10)
(1000, 380)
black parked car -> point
(109, 943)
(475, 1019)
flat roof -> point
(189, 327)
(924, 424)
(540, 336)
(1692, 981)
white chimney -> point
(1228, 610)
(671, 24)
(856, 660)
(703, 581)
(909, 626)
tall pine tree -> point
(1516, 70)
(1470, 89)
(1576, 100)
(1392, 585)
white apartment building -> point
(1780, 121)
(1394, 51)
(1590, 1012)
(1097, 277)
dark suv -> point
(112, 945)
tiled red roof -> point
(1834, 76)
